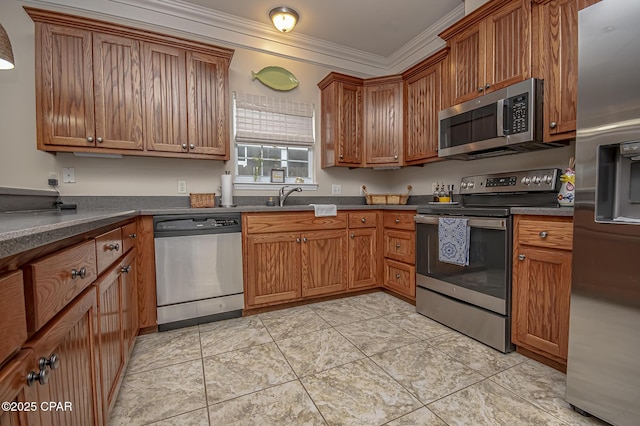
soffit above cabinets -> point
(360, 38)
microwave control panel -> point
(518, 117)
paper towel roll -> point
(226, 198)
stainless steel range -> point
(463, 277)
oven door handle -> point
(474, 222)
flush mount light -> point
(6, 53)
(284, 18)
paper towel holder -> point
(226, 200)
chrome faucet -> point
(282, 196)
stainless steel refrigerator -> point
(603, 368)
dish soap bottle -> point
(567, 189)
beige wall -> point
(22, 166)
(471, 5)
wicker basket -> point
(386, 198)
(203, 200)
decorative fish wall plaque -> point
(276, 78)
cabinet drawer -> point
(108, 249)
(54, 281)
(400, 245)
(400, 277)
(129, 236)
(363, 219)
(13, 332)
(293, 222)
(543, 233)
(399, 220)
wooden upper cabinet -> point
(341, 120)
(118, 92)
(165, 93)
(490, 49)
(64, 87)
(207, 105)
(556, 24)
(106, 88)
(383, 121)
(423, 98)
(90, 93)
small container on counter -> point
(271, 202)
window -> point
(271, 134)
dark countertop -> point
(22, 231)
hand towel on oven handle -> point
(453, 240)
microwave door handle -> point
(500, 117)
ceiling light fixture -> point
(284, 18)
(6, 53)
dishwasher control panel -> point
(167, 226)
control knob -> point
(526, 180)
(536, 180)
(470, 185)
(463, 185)
(546, 179)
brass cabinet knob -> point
(184, 146)
(553, 124)
(90, 139)
(134, 235)
(398, 276)
(42, 377)
(363, 220)
(125, 269)
(397, 220)
(99, 140)
(398, 245)
(543, 234)
(487, 86)
(353, 235)
(521, 257)
(480, 89)
(192, 146)
(113, 247)
(53, 362)
(78, 273)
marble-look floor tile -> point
(292, 322)
(418, 325)
(342, 311)
(169, 391)
(358, 393)
(194, 418)
(482, 358)
(230, 335)
(318, 351)
(383, 304)
(421, 417)
(376, 335)
(486, 403)
(426, 372)
(166, 348)
(545, 387)
(286, 404)
(240, 372)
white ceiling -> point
(377, 27)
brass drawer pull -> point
(363, 220)
(398, 245)
(82, 273)
(543, 234)
(112, 247)
(134, 235)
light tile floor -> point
(363, 360)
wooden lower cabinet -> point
(542, 288)
(129, 300)
(272, 269)
(399, 251)
(400, 277)
(73, 375)
(324, 262)
(13, 384)
(363, 258)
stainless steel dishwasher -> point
(198, 268)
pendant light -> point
(6, 53)
(284, 18)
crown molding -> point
(189, 20)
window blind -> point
(266, 120)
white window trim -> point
(268, 186)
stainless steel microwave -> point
(506, 121)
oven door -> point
(486, 282)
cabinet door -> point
(65, 99)
(324, 262)
(383, 131)
(559, 66)
(110, 333)
(207, 105)
(75, 380)
(13, 381)
(541, 292)
(468, 63)
(363, 258)
(273, 272)
(129, 300)
(421, 127)
(350, 124)
(165, 98)
(508, 45)
(118, 92)
(400, 277)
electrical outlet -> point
(54, 175)
(68, 175)
(336, 189)
(182, 187)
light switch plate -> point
(336, 189)
(182, 187)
